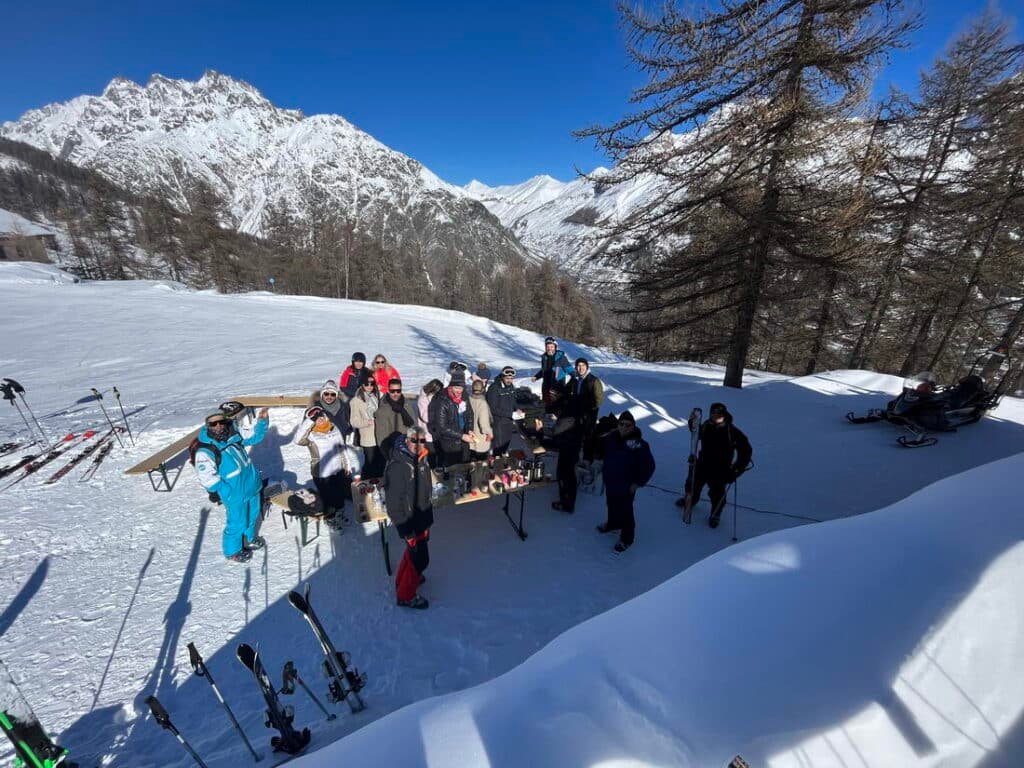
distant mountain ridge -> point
(264, 163)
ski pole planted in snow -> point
(21, 393)
(124, 415)
(290, 676)
(199, 667)
(99, 398)
(735, 493)
(164, 721)
(10, 389)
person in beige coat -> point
(363, 410)
(483, 428)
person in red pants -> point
(407, 493)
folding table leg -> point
(383, 527)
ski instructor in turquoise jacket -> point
(225, 470)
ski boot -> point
(258, 542)
(243, 556)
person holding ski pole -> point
(724, 455)
(225, 470)
(408, 484)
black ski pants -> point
(565, 471)
(717, 480)
(620, 515)
(334, 490)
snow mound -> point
(27, 272)
(883, 639)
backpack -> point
(196, 444)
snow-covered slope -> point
(889, 639)
(567, 221)
(105, 582)
(262, 161)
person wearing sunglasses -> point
(224, 468)
(394, 417)
(501, 399)
(383, 372)
(348, 380)
(408, 484)
(332, 463)
(330, 399)
(451, 422)
(364, 408)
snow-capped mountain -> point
(566, 221)
(262, 161)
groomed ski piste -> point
(890, 635)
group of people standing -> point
(365, 425)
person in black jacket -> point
(585, 401)
(724, 455)
(501, 397)
(628, 464)
(565, 439)
(407, 487)
(451, 421)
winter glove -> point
(214, 497)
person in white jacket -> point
(333, 464)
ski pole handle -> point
(196, 660)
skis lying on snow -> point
(81, 456)
(6, 448)
(19, 723)
(164, 721)
(345, 681)
(278, 717)
(199, 667)
(91, 470)
(69, 442)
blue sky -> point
(471, 89)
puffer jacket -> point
(236, 479)
(408, 484)
(328, 453)
(449, 422)
(723, 446)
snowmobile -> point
(924, 407)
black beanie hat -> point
(717, 408)
(582, 360)
(627, 416)
(359, 357)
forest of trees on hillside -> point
(116, 235)
(808, 226)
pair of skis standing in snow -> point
(719, 453)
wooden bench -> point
(156, 466)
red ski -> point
(80, 457)
(69, 442)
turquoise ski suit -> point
(236, 480)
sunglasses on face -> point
(395, 391)
(368, 385)
(416, 442)
(379, 362)
(218, 423)
(328, 395)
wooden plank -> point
(272, 401)
(164, 454)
